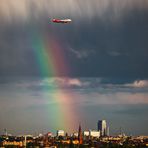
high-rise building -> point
(108, 131)
(102, 127)
(5, 132)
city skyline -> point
(54, 76)
(102, 130)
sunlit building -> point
(86, 133)
(75, 134)
(91, 134)
(102, 127)
(60, 133)
(94, 133)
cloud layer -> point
(91, 44)
(92, 98)
(139, 84)
(87, 91)
(25, 9)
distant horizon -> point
(111, 100)
(69, 133)
(53, 76)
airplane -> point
(64, 21)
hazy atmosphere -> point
(55, 76)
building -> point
(102, 127)
(94, 134)
(80, 139)
(60, 133)
(75, 134)
(108, 131)
(91, 134)
(86, 133)
(12, 143)
(49, 134)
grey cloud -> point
(116, 53)
(100, 49)
(15, 9)
(82, 86)
(27, 98)
(82, 54)
(96, 84)
(138, 84)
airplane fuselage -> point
(61, 20)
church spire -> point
(80, 135)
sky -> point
(93, 68)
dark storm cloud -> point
(14, 9)
(17, 57)
(102, 45)
(120, 50)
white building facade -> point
(102, 127)
(60, 133)
(92, 133)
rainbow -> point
(50, 57)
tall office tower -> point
(102, 127)
(107, 131)
(80, 135)
(5, 132)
